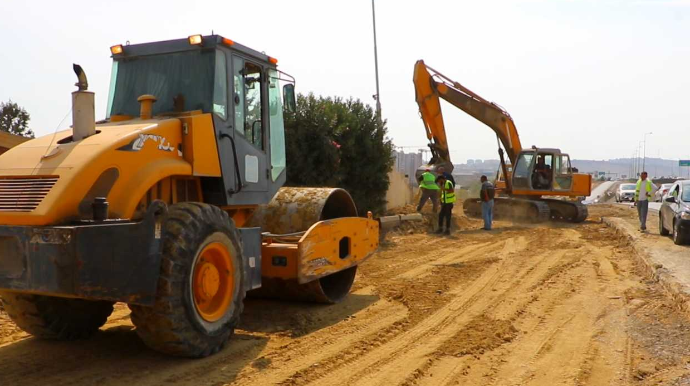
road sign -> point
(684, 162)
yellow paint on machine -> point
(143, 152)
(327, 247)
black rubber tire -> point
(54, 318)
(173, 325)
(662, 231)
(678, 237)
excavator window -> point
(543, 172)
(521, 176)
(563, 173)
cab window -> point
(275, 109)
(522, 170)
(248, 101)
(220, 87)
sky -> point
(587, 76)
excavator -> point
(534, 184)
(173, 204)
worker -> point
(442, 171)
(447, 200)
(428, 190)
(643, 191)
(486, 195)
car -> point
(625, 192)
(659, 195)
(674, 214)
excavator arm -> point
(430, 85)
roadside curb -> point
(678, 292)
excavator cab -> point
(546, 170)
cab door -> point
(249, 101)
(563, 173)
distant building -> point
(407, 164)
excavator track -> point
(530, 210)
(519, 209)
(570, 211)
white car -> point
(625, 192)
(659, 195)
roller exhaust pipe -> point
(83, 108)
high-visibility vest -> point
(648, 188)
(448, 197)
(428, 181)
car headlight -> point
(685, 215)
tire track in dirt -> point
(406, 352)
(281, 362)
(556, 343)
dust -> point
(429, 223)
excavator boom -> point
(430, 85)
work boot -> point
(447, 232)
(439, 231)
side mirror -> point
(289, 97)
(670, 199)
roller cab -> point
(173, 204)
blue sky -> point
(589, 77)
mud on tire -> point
(173, 325)
(49, 317)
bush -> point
(339, 143)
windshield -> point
(180, 81)
(628, 187)
(523, 164)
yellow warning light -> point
(195, 40)
(116, 50)
(273, 60)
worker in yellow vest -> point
(447, 200)
(644, 190)
(428, 190)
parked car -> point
(659, 195)
(674, 215)
(625, 192)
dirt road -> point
(521, 305)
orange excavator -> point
(535, 184)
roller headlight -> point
(685, 215)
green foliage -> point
(14, 119)
(339, 143)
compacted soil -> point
(547, 304)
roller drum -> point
(295, 210)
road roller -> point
(173, 204)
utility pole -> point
(639, 159)
(376, 66)
(644, 154)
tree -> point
(338, 143)
(14, 119)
